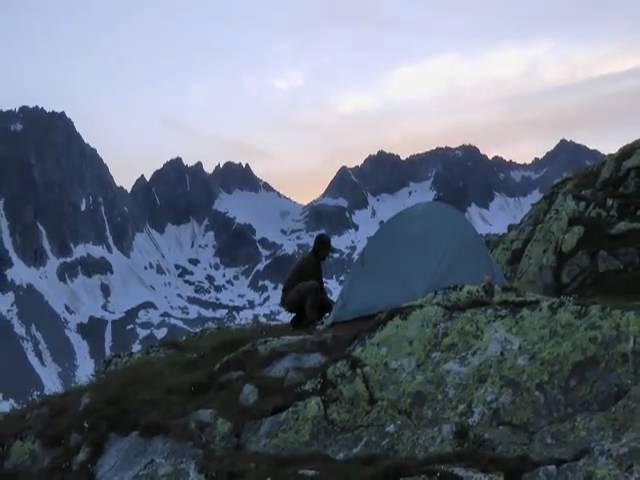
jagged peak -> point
(197, 167)
(465, 148)
(37, 119)
(568, 143)
(176, 166)
(140, 182)
(563, 152)
(175, 162)
(232, 176)
(230, 166)
(379, 157)
(344, 176)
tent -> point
(423, 248)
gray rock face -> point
(571, 239)
(629, 256)
(134, 458)
(211, 430)
(416, 387)
(249, 395)
(281, 367)
(69, 199)
(587, 219)
(607, 263)
(86, 265)
(333, 219)
(27, 454)
(291, 367)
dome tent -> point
(421, 249)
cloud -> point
(354, 103)
(468, 79)
(288, 80)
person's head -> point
(322, 246)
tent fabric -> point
(423, 248)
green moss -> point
(300, 421)
(507, 363)
(25, 454)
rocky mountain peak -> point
(346, 186)
(567, 154)
(382, 172)
(174, 194)
(564, 159)
(71, 191)
(232, 176)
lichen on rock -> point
(26, 454)
(550, 251)
(502, 372)
(570, 240)
(135, 458)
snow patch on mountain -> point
(272, 215)
(518, 175)
(331, 202)
(34, 346)
(6, 405)
(380, 209)
(155, 274)
(502, 212)
(78, 297)
(16, 127)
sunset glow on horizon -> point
(298, 89)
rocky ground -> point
(459, 385)
(535, 381)
(583, 238)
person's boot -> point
(297, 321)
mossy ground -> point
(148, 395)
(419, 380)
(154, 394)
(495, 377)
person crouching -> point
(303, 292)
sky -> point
(299, 88)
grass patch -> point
(154, 394)
(151, 393)
(148, 395)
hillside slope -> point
(583, 237)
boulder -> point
(608, 171)
(135, 457)
(249, 395)
(593, 211)
(211, 430)
(632, 184)
(292, 367)
(27, 454)
(624, 227)
(550, 384)
(574, 267)
(629, 256)
(607, 263)
(571, 238)
(633, 162)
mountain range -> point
(89, 269)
